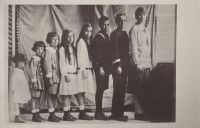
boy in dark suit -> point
(120, 59)
(101, 64)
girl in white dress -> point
(20, 86)
(68, 66)
(84, 60)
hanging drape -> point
(35, 21)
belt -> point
(86, 68)
(72, 73)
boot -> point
(100, 116)
(68, 117)
(83, 116)
(18, 119)
(56, 116)
(38, 114)
(53, 118)
(36, 118)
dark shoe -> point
(38, 114)
(100, 116)
(141, 117)
(68, 117)
(119, 118)
(52, 118)
(36, 118)
(18, 119)
(56, 116)
(83, 116)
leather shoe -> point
(83, 116)
(52, 118)
(18, 119)
(68, 117)
(100, 116)
(141, 117)
(36, 118)
(119, 118)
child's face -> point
(20, 64)
(105, 26)
(88, 32)
(122, 22)
(39, 51)
(54, 41)
(141, 17)
(69, 38)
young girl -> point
(51, 66)
(140, 62)
(20, 86)
(85, 71)
(37, 79)
(68, 66)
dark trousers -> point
(119, 85)
(102, 84)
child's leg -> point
(67, 102)
(136, 104)
(38, 108)
(82, 114)
(17, 114)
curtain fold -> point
(35, 21)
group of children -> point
(76, 68)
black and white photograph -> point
(70, 64)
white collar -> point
(51, 49)
(36, 57)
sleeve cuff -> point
(33, 80)
(117, 60)
(49, 75)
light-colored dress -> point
(68, 69)
(84, 63)
(36, 72)
(20, 86)
(51, 64)
(139, 47)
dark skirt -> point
(137, 80)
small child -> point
(68, 66)
(52, 70)
(37, 79)
(85, 71)
(102, 64)
(20, 86)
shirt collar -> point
(36, 57)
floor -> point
(28, 118)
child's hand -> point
(50, 82)
(34, 86)
(139, 67)
(13, 92)
(118, 70)
(102, 72)
(85, 75)
(67, 79)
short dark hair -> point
(139, 10)
(50, 35)
(38, 44)
(19, 57)
(117, 18)
(102, 19)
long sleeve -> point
(115, 53)
(62, 61)
(33, 69)
(133, 45)
(82, 54)
(47, 63)
(97, 50)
